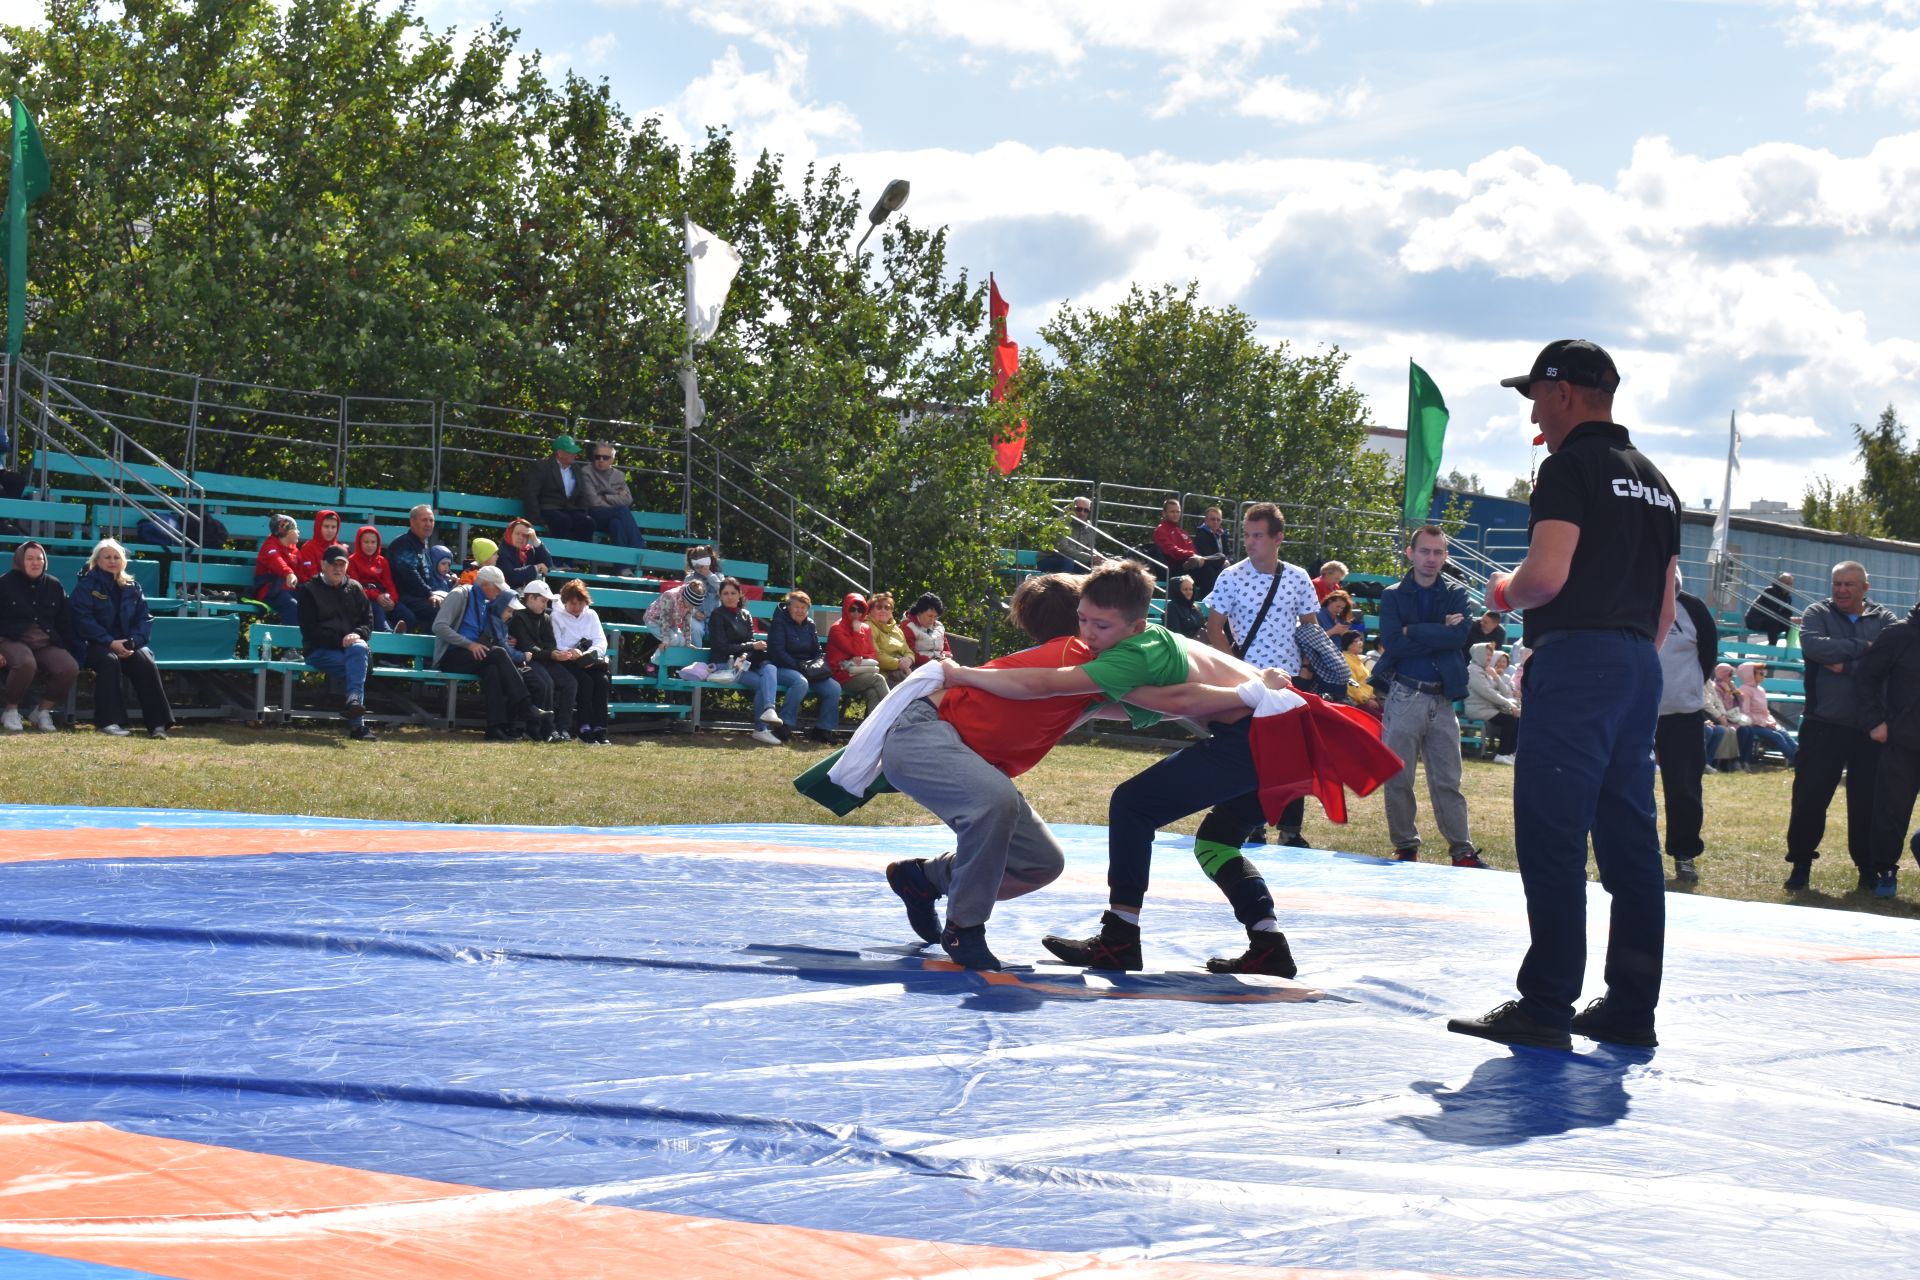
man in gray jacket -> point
(1835, 737)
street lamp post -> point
(891, 199)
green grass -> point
(722, 777)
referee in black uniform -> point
(1597, 589)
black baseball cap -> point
(333, 553)
(1574, 360)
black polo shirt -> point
(1629, 524)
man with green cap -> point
(553, 496)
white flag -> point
(1721, 524)
(711, 265)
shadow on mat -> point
(1532, 1093)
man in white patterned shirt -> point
(1243, 623)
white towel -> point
(859, 764)
(1268, 702)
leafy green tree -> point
(1891, 485)
(1521, 490)
(1846, 510)
(1162, 392)
(1462, 481)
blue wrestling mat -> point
(243, 1045)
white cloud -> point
(1872, 51)
(599, 49)
(766, 109)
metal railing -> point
(755, 517)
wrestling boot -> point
(909, 880)
(1267, 952)
(1116, 946)
(967, 945)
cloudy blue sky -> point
(1725, 193)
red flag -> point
(1007, 447)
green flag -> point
(27, 182)
(1426, 433)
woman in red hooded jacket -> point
(368, 567)
(326, 533)
(851, 656)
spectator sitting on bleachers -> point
(1491, 697)
(1761, 726)
(481, 553)
(674, 616)
(1359, 691)
(470, 638)
(36, 636)
(577, 627)
(366, 566)
(110, 617)
(1332, 574)
(1486, 629)
(1721, 701)
(440, 579)
(411, 557)
(1210, 540)
(522, 556)
(793, 646)
(1176, 548)
(924, 630)
(276, 568)
(1183, 616)
(890, 644)
(1339, 617)
(730, 637)
(609, 500)
(1771, 613)
(1073, 550)
(704, 563)
(326, 533)
(553, 494)
(851, 655)
(336, 621)
(549, 670)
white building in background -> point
(1767, 509)
(1392, 441)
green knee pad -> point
(1212, 855)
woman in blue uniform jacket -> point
(110, 617)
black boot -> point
(1267, 952)
(967, 945)
(1116, 946)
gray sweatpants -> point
(1004, 849)
(1413, 725)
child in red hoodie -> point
(368, 567)
(326, 533)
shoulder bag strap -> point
(1240, 650)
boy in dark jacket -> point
(549, 679)
(336, 621)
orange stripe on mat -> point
(90, 1192)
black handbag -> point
(815, 670)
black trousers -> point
(554, 689)
(500, 683)
(110, 694)
(594, 682)
(1828, 750)
(1681, 750)
(1506, 732)
(1894, 787)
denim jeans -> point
(794, 689)
(350, 663)
(617, 523)
(1592, 701)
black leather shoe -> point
(1510, 1025)
(1595, 1022)
(1116, 946)
(1800, 877)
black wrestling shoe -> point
(1116, 946)
(1596, 1022)
(909, 880)
(1510, 1025)
(967, 945)
(1267, 952)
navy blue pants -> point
(1218, 772)
(1587, 716)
